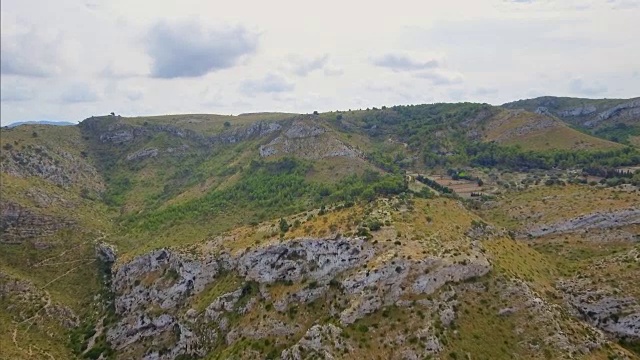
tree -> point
(227, 124)
(339, 117)
(284, 226)
(315, 113)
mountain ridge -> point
(400, 232)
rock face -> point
(143, 154)
(106, 253)
(587, 113)
(56, 166)
(112, 131)
(617, 315)
(155, 293)
(599, 220)
(306, 139)
(578, 111)
(318, 259)
(18, 224)
(323, 341)
(631, 105)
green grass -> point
(223, 284)
(189, 197)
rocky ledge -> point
(156, 293)
(604, 307)
(598, 220)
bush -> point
(284, 226)
(374, 225)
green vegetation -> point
(620, 132)
(268, 189)
(439, 135)
(176, 183)
(513, 157)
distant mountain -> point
(41, 122)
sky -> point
(71, 59)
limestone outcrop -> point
(155, 293)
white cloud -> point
(333, 71)
(439, 77)
(191, 49)
(156, 57)
(270, 83)
(402, 62)
(79, 93)
(30, 51)
(579, 87)
(304, 66)
(16, 91)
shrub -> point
(284, 226)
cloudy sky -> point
(78, 58)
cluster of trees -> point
(386, 161)
(619, 132)
(461, 174)
(416, 124)
(513, 157)
(444, 135)
(270, 189)
(368, 186)
(607, 172)
(434, 185)
(613, 177)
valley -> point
(440, 231)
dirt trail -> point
(45, 261)
(48, 300)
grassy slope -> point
(543, 204)
(543, 261)
(520, 128)
(207, 124)
(562, 103)
(50, 274)
(609, 129)
(430, 227)
(422, 228)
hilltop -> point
(614, 119)
(426, 231)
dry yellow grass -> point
(539, 132)
(207, 123)
(550, 204)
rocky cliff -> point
(156, 293)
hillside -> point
(300, 236)
(614, 119)
(535, 131)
